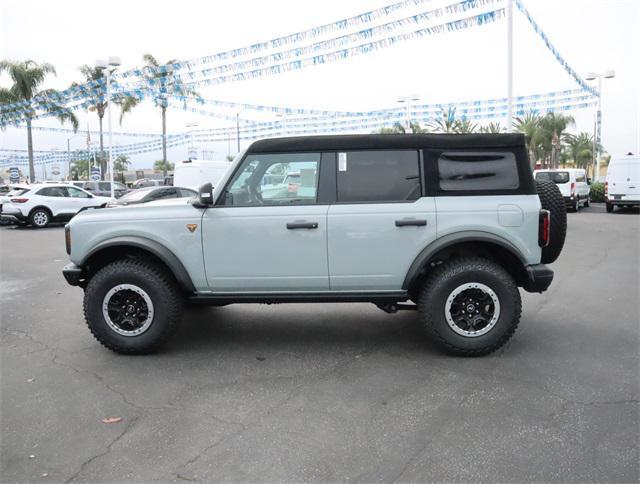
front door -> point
(267, 233)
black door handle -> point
(302, 225)
(406, 222)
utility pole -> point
(238, 130)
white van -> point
(573, 185)
(195, 173)
(622, 187)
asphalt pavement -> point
(326, 393)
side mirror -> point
(205, 195)
(588, 181)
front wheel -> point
(471, 306)
(132, 306)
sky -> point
(592, 35)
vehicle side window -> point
(52, 192)
(581, 177)
(378, 176)
(186, 193)
(479, 171)
(104, 186)
(275, 179)
(76, 193)
(164, 193)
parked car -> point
(149, 194)
(573, 185)
(103, 188)
(454, 223)
(42, 204)
(622, 187)
(147, 182)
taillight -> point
(573, 187)
(67, 238)
(544, 228)
(19, 200)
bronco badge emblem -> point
(192, 227)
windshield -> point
(134, 196)
(558, 177)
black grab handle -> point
(406, 222)
(302, 225)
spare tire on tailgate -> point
(551, 199)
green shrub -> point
(597, 192)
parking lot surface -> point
(326, 392)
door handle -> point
(406, 222)
(302, 225)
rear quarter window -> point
(477, 171)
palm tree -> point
(465, 126)
(27, 76)
(80, 169)
(580, 149)
(492, 128)
(99, 105)
(529, 125)
(446, 123)
(163, 165)
(399, 128)
(169, 86)
(554, 126)
(121, 163)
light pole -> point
(112, 61)
(407, 100)
(591, 76)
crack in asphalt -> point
(321, 376)
(86, 463)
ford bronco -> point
(449, 225)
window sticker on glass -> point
(342, 162)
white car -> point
(622, 187)
(573, 185)
(41, 204)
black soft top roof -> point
(387, 141)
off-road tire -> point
(37, 216)
(551, 199)
(444, 279)
(162, 290)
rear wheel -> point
(576, 206)
(609, 207)
(40, 218)
(587, 201)
(132, 306)
(471, 306)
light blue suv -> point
(453, 223)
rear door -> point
(56, 200)
(624, 179)
(380, 221)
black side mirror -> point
(205, 195)
(588, 181)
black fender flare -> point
(453, 239)
(160, 251)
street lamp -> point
(592, 76)
(407, 100)
(112, 61)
